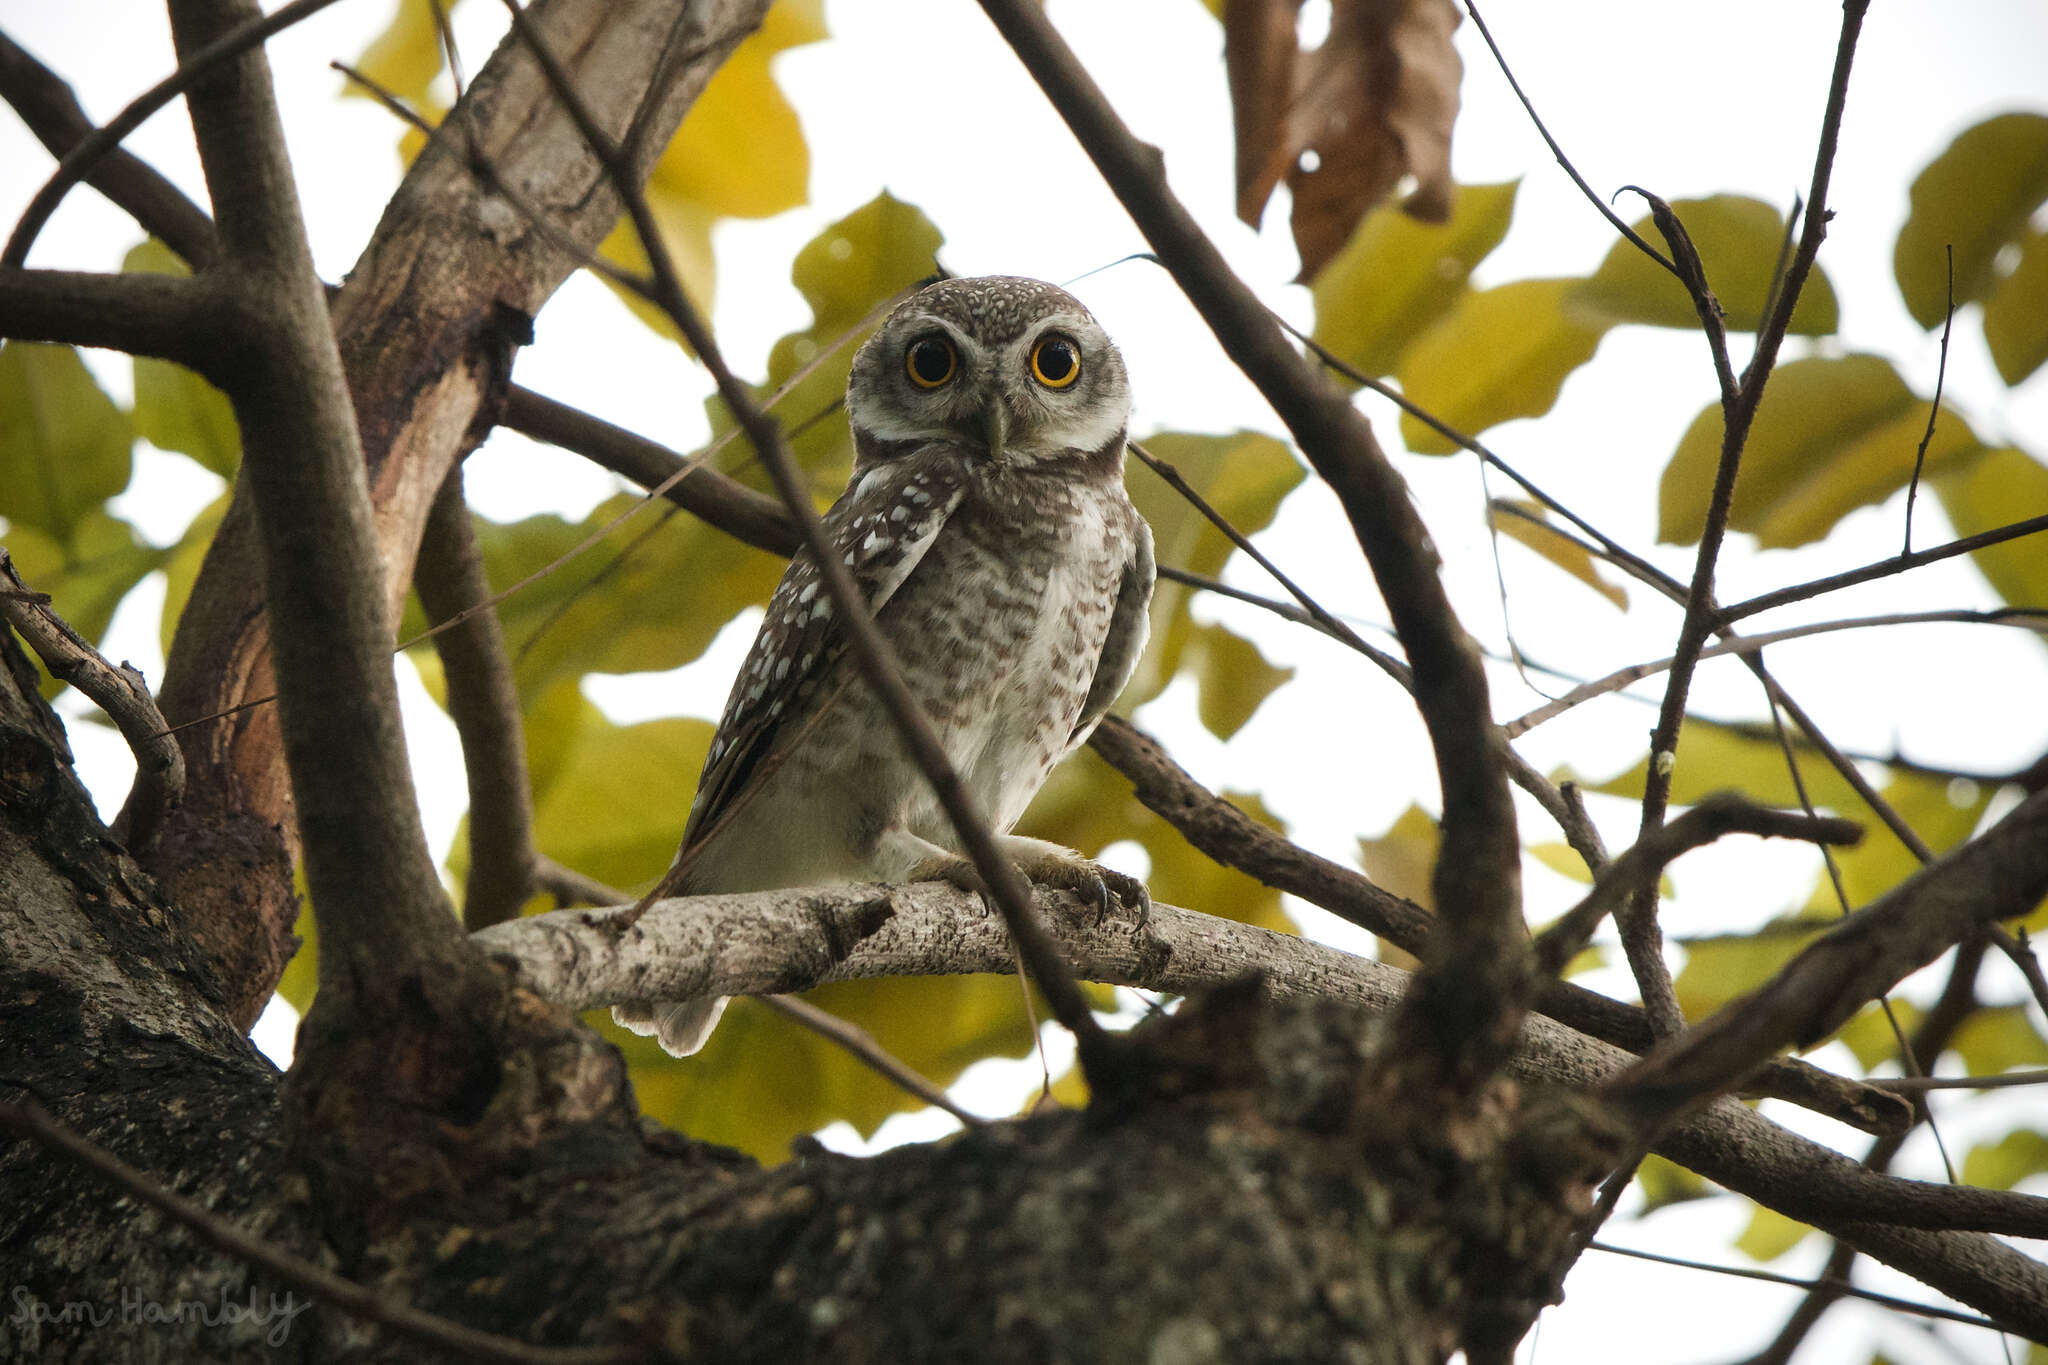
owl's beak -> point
(995, 428)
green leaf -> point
(1738, 240)
(1403, 860)
(88, 577)
(844, 273)
(1532, 529)
(1665, 1183)
(2016, 312)
(2005, 1163)
(1832, 434)
(1999, 1038)
(1243, 476)
(1942, 812)
(650, 596)
(1870, 1035)
(1715, 758)
(1770, 1234)
(1721, 968)
(174, 408)
(1233, 676)
(615, 803)
(1398, 274)
(1498, 354)
(182, 563)
(1999, 488)
(64, 447)
(1977, 196)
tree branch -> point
(1465, 1004)
(120, 692)
(483, 702)
(170, 317)
(2002, 873)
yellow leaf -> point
(1397, 275)
(64, 447)
(175, 409)
(1715, 758)
(2001, 487)
(1832, 434)
(1234, 678)
(1725, 967)
(1738, 240)
(1498, 354)
(2005, 1163)
(406, 56)
(1533, 529)
(1770, 1234)
(2016, 312)
(1975, 197)
(181, 565)
(1941, 812)
(1404, 858)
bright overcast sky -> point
(923, 100)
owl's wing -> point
(881, 526)
(1130, 624)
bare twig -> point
(1830, 1282)
(120, 692)
(29, 1120)
(862, 1045)
(1640, 936)
(1916, 1085)
(1558, 152)
(1639, 867)
(1948, 323)
(2025, 618)
(1101, 1058)
(1883, 568)
(2002, 873)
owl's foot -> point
(1048, 865)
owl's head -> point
(1010, 369)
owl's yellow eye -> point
(930, 361)
(1055, 361)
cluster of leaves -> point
(1834, 433)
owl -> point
(987, 528)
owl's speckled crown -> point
(999, 307)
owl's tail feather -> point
(680, 1026)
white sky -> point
(925, 101)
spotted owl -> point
(988, 531)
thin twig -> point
(861, 1044)
(1839, 1286)
(1883, 568)
(2025, 618)
(1948, 323)
(29, 1120)
(1558, 152)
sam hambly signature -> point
(136, 1309)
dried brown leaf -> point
(1373, 104)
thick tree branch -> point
(170, 317)
(483, 701)
(1465, 1004)
(724, 502)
